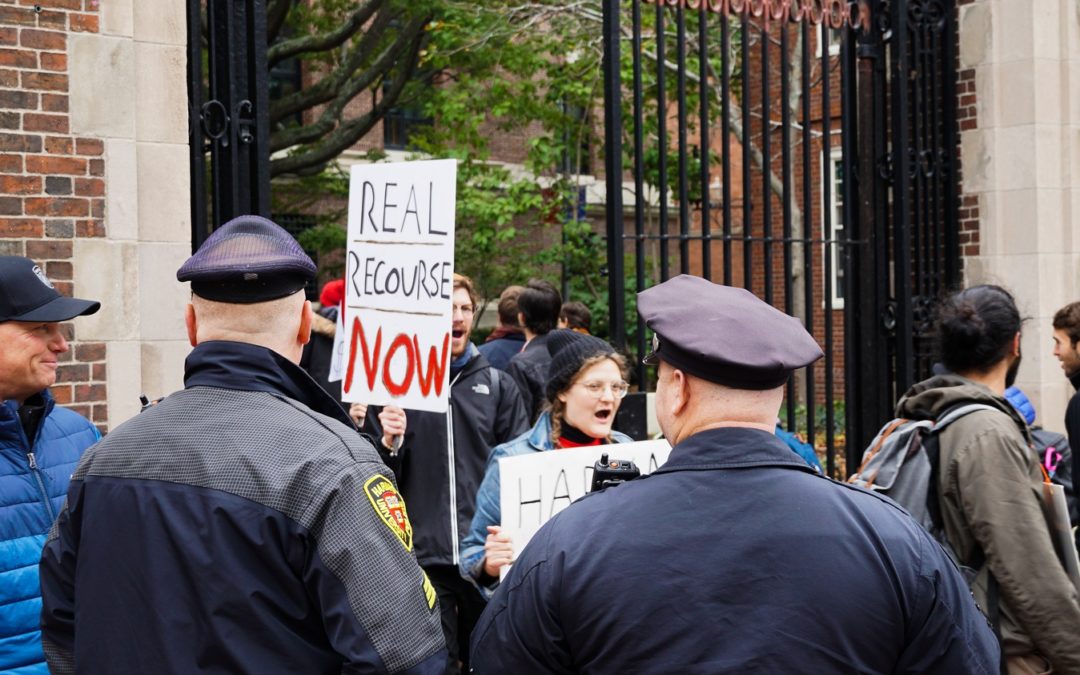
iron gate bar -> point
(785, 124)
(196, 152)
(684, 193)
(703, 144)
(808, 220)
(747, 123)
(826, 220)
(639, 187)
(661, 105)
(725, 141)
(766, 171)
(613, 171)
(901, 140)
(849, 113)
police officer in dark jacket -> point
(241, 525)
(439, 459)
(734, 556)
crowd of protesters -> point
(255, 522)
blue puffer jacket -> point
(33, 484)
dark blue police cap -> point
(248, 259)
(724, 334)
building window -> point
(400, 124)
(836, 38)
(833, 172)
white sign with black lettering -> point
(535, 487)
(399, 283)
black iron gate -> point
(804, 150)
(228, 124)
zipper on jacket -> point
(41, 485)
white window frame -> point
(835, 208)
(834, 45)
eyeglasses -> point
(596, 388)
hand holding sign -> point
(498, 551)
(393, 422)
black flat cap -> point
(248, 259)
(724, 334)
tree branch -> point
(325, 41)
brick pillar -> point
(52, 186)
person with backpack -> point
(989, 484)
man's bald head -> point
(282, 325)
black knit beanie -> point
(569, 349)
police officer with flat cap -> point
(734, 556)
(241, 525)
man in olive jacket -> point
(990, 489)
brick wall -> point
(966, 120)
(52, 186)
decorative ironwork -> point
(820, 178)
(228, 128)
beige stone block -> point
(1047, 29)
(1018, 226)
(1055, 277)
(107, 271)
(1049, 224)
(117, 18)
(161, 297)
(161, 93)
(1016, 81)
(1050, 159)
(1014, 30)
(1050, 91)
(976, 34)
(986, 100)
(124, 380)
(102, 75)
(977, 155)
(122, 195)
(993, 223)
(1071, 25)
(164, 200)
(1014, 157)
(161, 21)
(163, 366)
(1053, 398)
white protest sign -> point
(337, 355)
(535, 487)
(399, 283)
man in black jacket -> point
(538, 312)
(439, 460)
(1066, 336)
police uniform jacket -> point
(233, 529)
(733, 557)
(442, 457)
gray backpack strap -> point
(496, 384)
(956, 413)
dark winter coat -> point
(442, 458)
(530, 370)
(241, 525)
(733, 557)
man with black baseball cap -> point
(241, 525)
(734, 556)
(40, 445)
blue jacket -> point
(499, 351)
(733, 557)
(488, 511)
(30, 498)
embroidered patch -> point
(41, 276)
(390, 506)
(429, 592)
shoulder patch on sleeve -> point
(390, 507)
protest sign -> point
(535, 487)
(399, 283)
